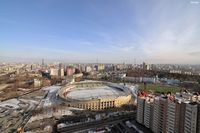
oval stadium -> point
(94, 95)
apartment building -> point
(190, 125)
(181, 122)
(169, 114)
(140, 109)
(155, 115)
(148, 112)
(198, 119)
(162, 121)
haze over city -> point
(112, 31)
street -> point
(96, 124)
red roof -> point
(142, 94)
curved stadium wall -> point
(94, 95)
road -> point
(96, 124)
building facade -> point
(190, 124)
(169, 114)
(140, 109)
(61, 72)
(54, 72)
(94, 95)
(148, 112)
(155, 115)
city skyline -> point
(112, 31)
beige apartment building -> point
(169, 114)
(140, 109)
(148, 112)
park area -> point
(159, 88)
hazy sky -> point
(155, 31)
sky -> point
(110, 31)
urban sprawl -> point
(99, 97)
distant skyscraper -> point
(60, 65)
(70, 70)
(134, 61)
(61, 72)
(42, 62)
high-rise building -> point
(70, 70)
(140, 109)
(61, 72)
(190, 125)
(176, 115)
(162, 115)
(42, 62)
(60, 65)
(148, 112)
(155, 115)
(182, 116)
(198, 119)
(171, 115)
(178, 111)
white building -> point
(37, 83)
(54, 72)
(175, 71)
(88, 69)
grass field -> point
(158, 88)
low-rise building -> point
(37, 83)
(54, 72)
